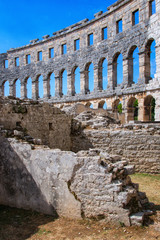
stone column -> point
(46, 92)
(70, 84)
(110, 76)
(23, 90)
(2, 90)
(125, 72)
(83, 82)
(141, 109)
(96, 79)
(12, 90)
(142, 79)
(158, 61)
(157, 107)
(58, 86)
(35, 89)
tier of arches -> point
(89, 78)
(133, 111)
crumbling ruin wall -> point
(40, 121)
(86, 184)
(139, 144)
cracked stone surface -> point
(86, 184)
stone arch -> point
(115, 106)
(89, 77)
(149, 108)
(150, 59)
(132, 109)
(102, 73)
(133, 65)
(89, 105)
(5, 88)
(117, 69)
(102, 104)
(17, 88)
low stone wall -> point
(40, 121)
(139, 144)
(86, 184)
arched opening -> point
(52, 85)
(63, 78)
(149, 108)
(133, 65)
(89, 78)
(132, 109)
(89, 105)
(29, 88)
(150, 60)
(76, 80)
(5, 89)
(40, 86)
(102, 74)
(102, 104)
(117, 69)
(17, 88)
(117, 106)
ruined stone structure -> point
(37, 168)
(37, 59)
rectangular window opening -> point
(6, 63)
(17, 61)
(51, 53)
(135, 17)
(119, 26)
(40, 56)
(64, 49)
(152, 7)
(104, 33)
(76, 44)
(28, 59)
(90, 39)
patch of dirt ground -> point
(16, 224)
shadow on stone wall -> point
(17, 186)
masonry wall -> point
(87, 184)
(40, 121)
(139, 144)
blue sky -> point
(22, 21)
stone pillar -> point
(23, 90)
(97, 79)
(141, 109)
(2, 90)
(110, 76)
(125, 72)
(157, 108)
(141, 79)
(35, 89)
(12, 90)
(58, 86)
(83, 82)
(70, 84)
(46, 92)
(158, 62)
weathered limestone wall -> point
(86, 184)
(139, 144)
(40, 121)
